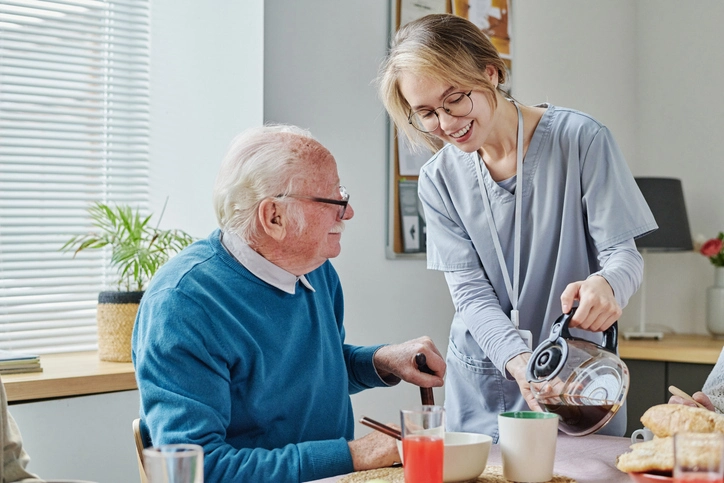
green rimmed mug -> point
(528, 445)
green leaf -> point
(137, 250)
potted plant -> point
(137, 252)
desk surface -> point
(698, 349)
(588, 459)
(71, 374)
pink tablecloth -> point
(588, 459)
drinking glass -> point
(174, 463)
(423, 443)
(698, 457)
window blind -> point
(74, 129)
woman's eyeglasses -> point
(457, 104)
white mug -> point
(641, 435)
(528, 445)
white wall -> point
(580, 55)
(679, 127)
(207, 86)
(84, 438)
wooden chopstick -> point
(382, 428)
(678, 392)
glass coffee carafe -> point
(582, 382)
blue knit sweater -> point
(258, 377)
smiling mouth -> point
(462, 132)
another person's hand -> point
(517, 368)
(399, 360)
(597, 307)
(699, 396)
(374, 450)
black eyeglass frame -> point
(447, 111)
(343, 202)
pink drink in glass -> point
(423, 458)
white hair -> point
(261, 162)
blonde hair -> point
(262, 162)
(440, 47)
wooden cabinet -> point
(682, 360)
(650, 381)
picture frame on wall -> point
(493, 17)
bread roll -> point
(653, 455)
(668, 419)
(665, 420)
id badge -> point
(527, 336)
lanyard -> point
(513, 289)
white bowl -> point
(466, 455)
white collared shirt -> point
(260, 266)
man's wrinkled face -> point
(320, 238)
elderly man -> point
(239, 342)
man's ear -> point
(273, 219)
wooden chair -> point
(139, 449)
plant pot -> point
(115, 317)
(715, 305)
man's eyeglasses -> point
(457, 104)
(342, 203)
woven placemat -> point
(492, 474)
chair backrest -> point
(139, 449)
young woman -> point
(529, 210)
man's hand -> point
(375, 450)
(699, 396)
(399, 360)
(517, 367)
(597, 307)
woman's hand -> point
(597, 307)
(517, 368)
(698, 396)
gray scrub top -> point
(579, 198)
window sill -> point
(71, 374)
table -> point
(587, 459)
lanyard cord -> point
(513, 289)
